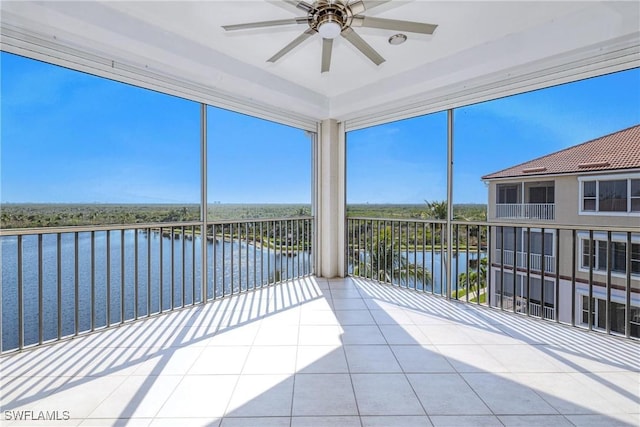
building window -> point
(507, 193)
(635, 195)
(544, 193)
(616, 316)
(589, 196)
(610, 195)
(597, 256)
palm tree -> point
(384, 261)
(477, 278)
(435, 210)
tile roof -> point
(619, 150)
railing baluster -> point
(255, 253)
(214, 263)
(239, 257)
(93, 282)
(433, 256)
(542, 274)
(280, 250)
(592, 256)
(193, 262)
(224, 261)
(467, 263)
(607, 310)
(108, 278)
(627, 304)
(76, 281)
(148, 272)
(40, 293)
(515, 270)
(298, 253)
(556, 302)
(501, 267)
(393, 259)
(262, 254)
(479, 265)
(20, 296)
(456, 255)
(183, 266)
(574, 251)
(161, 270)
(122, 276)
(269, 252)
(58, 281)
(136, 282)
(528, 258)
(246, 239)
(172, 240)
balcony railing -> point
(521, 306)
(535, 260)
(415, 254)
(64, 282)
(543, 211)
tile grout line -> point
(295, 367)
(404, 373)
(342, 346)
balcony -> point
(237, 323)
(261, 345)
(534, 262)
(541, 211)
(313, 351)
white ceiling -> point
(480, 49)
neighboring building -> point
(583, 189)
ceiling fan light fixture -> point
(329, 29)
(397, 39)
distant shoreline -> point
(38, 214)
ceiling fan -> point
(333, 18)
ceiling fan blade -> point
(327, 47)
(299, 4)
(302, 37)
(359, 6)
(393, 24)
(301, 20)
(362, 45)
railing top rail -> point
(364, 218)
(112, 227)
(546, 226)
(242, 221)
(528, 204)
(86, 228)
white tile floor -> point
(319, 352)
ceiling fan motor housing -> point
(324, 11)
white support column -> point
(330, 199)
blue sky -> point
(488, 137)
(75, 138)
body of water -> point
(124, 284)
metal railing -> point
(544, 211)
(535, 260)
(59, 283)
(413, 254)
(521, 306)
